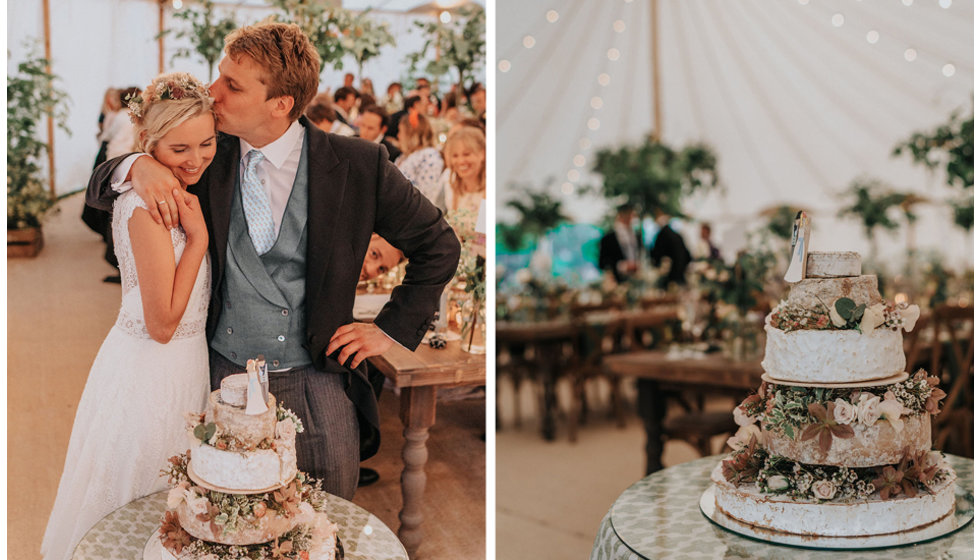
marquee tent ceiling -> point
(797, 98)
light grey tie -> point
(258, 212)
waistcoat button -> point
(280, 338)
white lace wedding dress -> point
(130, 419)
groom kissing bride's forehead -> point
(291, 210)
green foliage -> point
(323, 24)
(950, 143)
(653, 175)
(513, 238)
(459, 45)
(872, 199)
(363, 37)
(849, 311)
(781, 221)
(30, 96)
(206, 32)
(205, 432)
(539, 212)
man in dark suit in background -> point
(619, 249)
(374, 125)
(671, 245)
(293, 302)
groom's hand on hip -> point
(154, 183)
(360, 340)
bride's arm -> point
(165, 286)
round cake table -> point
(659, 517)
(122, 534)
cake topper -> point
(254, 403)
(263, 369)
(800, 242)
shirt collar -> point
(277, 151)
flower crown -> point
(176, 86)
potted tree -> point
(206, 34)
(30, 96)
(459, 45)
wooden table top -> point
(566, 327)
(428, 366)
(710, 369)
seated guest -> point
(380, 258)
(412, 103)
(671, 245)
(477, 96)
(420, 161)
(344, 101)
(325, 118)
(393, 100)
(619, 249)
(465, 188)
(373, 124)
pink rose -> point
(868, 411)
(823, 489)
(844, 412)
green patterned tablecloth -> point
(122, 534)
(663, 508)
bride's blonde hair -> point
(169, 101)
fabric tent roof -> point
(796, 98)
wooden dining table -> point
(658, 371)
(417, 375)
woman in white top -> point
(420, 161)
(466, 186)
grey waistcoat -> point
(263, 297)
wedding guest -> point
(466, 187)
(705, 248)
(669, 244)
(119, 130)
(373, 126)
(153, 365)
(477, 96)
(348, 80)
(322, 114)
(344, 100)
(420, 161)
(393, 100)
(367, 88)
(619, 249)
(380, 258)
(412, 103)
(325, 194)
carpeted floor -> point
(59, 311)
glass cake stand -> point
(124, 533)
(658, 517)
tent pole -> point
(655, 51)
(47, 55)
(160, 38)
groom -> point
(290, 212)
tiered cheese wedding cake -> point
(237, 493)
(837, 441)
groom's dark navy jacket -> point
(353, 191)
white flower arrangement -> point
(283, 413)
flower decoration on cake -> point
(844, 314)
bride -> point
(153, 366)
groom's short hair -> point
(291, 63)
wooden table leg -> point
(549, 360)
(418, 413)
(651, 403)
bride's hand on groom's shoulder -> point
(191, 217)
(155, 183)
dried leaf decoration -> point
(826, 429)
(172, 534)
(889, 483)
(937, 394)
(743, 465)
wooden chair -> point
(599, 333)
(952, 362)
(698, 427)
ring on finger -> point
(162, 202)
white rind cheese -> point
(832, 264)
(820, 294)
(833, 519)
(832, 356)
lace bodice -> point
(130, 317)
